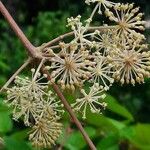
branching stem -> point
(15, 74)
(61, 37)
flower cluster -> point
(39, 108)
(79, 30)
(131, 66)
(101, 55)
(96, 55)
(69, 66)
(128, 20)
(101, 72)
(105, 3)
(90, 100)
(45, 132)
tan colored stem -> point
(61, 37)
(15, 74)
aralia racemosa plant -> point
(96, 56)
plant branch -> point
(33, 53)
(63, 36)
(55, 47)
(15, 74)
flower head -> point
(51, 106)
(105, 40)
(131, 65)
(30, 99)
(80, 35)
(69, 66)
(33, 85)
(90, 100)
(128, 19)
(105, 3)
(45, 132)
(101, 72)
(23, 104)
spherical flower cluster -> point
(102, 71)
(105, 40)
(128, 19)
(105, 3)
(45, 132)
(131, 66)
(25, 97)
(69, 66)
(32, 101)
(90, 100)
(52, 106)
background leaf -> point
(12, 144)
(75, 140)
(114, 106)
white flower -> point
(29, 109)
(24, 105)
(51, 106)
(33, 85)
(102, 71)
(128, 19)
(131, 66)
(14, 96)
(69, 66)
(105, 3)
(32, 100)
(80, 35)
(105, 40)
(45, 132)
(90, 100)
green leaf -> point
(117, 124)
(141, 139)
(110, 142)
(104, 123)
(3, 108)
(115, 107)
(127, 133)
(20, 135)
(5, 122)
(75, 140)
(12, 144)
(4, 66)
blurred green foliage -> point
(124, 125)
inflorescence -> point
(97, 56)
(33, 101)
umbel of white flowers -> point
(97, 56)
(38, 107)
